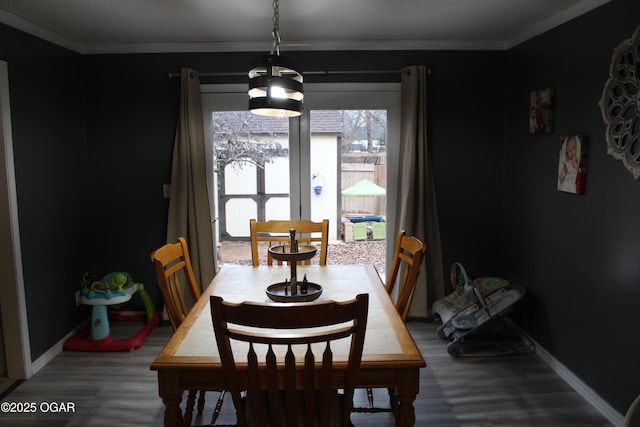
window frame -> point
(318, 96)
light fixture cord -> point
(275, 48)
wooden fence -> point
(353, 173)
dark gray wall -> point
(93, 139)
(132, 119)
(46, 85)
(578, 256)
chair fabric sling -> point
(632, 416)
(286, 384)
(277, 231)
(405, 267)
(173, 268)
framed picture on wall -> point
(541, 106)
(572, 164)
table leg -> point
(187, 417)
(169, 391)
(408, 387)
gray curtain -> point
(189, 212)
(416, 197)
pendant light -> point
(275, 82)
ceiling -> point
(142, 26)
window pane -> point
(348, 147)
(251, 158)
(276, 176)
(240, 178)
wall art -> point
(541, 107)
(572, 164)
(620, 104)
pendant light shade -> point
(275, 82)
(275, 87)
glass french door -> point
(269, 168)
(366, 150)
(250, 170)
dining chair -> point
(285, 384)
(173, 269)
(405, 267)
(277, 231)
(632, 416)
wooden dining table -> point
(190, 360)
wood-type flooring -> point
(118, 389)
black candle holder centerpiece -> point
(292, 290)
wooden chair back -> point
(407, 257)
(284, 387)
(277, 231)
(173, 270)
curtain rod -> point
(172, 75)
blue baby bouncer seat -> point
(474, 316)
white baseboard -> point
(48, 356)
(598, 403)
